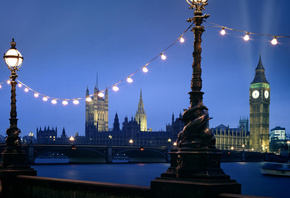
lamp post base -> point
(194, 172)
(13, 159)
(13, 164)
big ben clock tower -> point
(259, 110)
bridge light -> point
(174, 143)
(131, 141)
(169, 140)
(141, 148)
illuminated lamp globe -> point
(13, 57)
(223, 32)
(45, 99)
(129, 80)
(191, 2)
(274, 41)
(247, 37)
(181, 40)
(145, 69)
(115, 88)
(76, 101)
(101, 94)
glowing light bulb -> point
(45, 98)
(181, 40)
(145, 69)
(101, 94)
(223, 32)
(19, 85)
(8, 82)
(76, 102)
(274, 41)
(115, 88)
(88, 99)
(54, 101)
(129, 80)
(163, 57)
(247, 37)
(65, 102)
(36, 95)
(26, 89)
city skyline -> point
(65, 45)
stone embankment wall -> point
(40, 187)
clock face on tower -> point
(255, 94)
(266, 94)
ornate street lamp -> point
(13, 154)
(13, 157)
(31, 135)
(195, 162)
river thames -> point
(246, 173)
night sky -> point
(66, 43)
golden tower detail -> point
(97, 113)
(140, 116)
(259, 110)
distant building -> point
(277, 134)
(97, 112)
(278, 141)
(175, 127)
(46, 136)
(232, 138)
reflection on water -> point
(248, 174)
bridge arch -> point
(76, 154)
(141, 154)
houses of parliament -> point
(251, 134)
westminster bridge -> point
(96, 153)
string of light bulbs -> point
(100, 94)
(144, 68)
(246, 37)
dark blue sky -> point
(65, 43)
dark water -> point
(247, 174)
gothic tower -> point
(100, 111)
(96, 113)
(140, 116)
(259, 110)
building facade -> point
(278, 134)
(97, 113)
(46, 136)
(259, 110)
(232, 138)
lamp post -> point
(110, 137)
(13, 157)
(13, 154)
(195, 162)
(31, 136)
